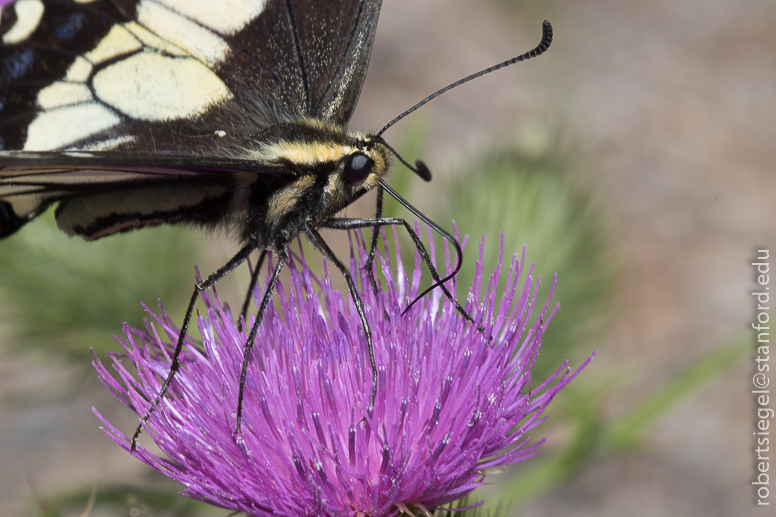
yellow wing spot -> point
(226, 16)
(149, 86)
(62, 94)
(79, 71)
(117, 42)
(60, 127)
(28, 15)
(152, 40)
(198, 41)
(107, 145)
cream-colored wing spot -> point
(79, 71)
(60, 127)
(117, 42)
(28, 15)
(152, 40)
(225, 17)
(107, 145)
(201, 43)
(153, 87)
(62, 94)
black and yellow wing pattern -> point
(131, 113)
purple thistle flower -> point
(450, 403)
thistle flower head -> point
(451, 401)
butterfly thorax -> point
(320, 168)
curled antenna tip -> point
(422, 170)
(542, 47)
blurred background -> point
(634, 159)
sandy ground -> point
(675, 103)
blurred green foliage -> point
(163, 501)
(63, 296)
(594, 436)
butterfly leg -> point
(251, 287)
(317, 241)
(175, 365)
(370, 260)
(353, 223)
(282, 259)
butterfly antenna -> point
(539, 50)
(420, 168)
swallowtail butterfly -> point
(222, 114)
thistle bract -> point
(451, 400)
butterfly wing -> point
(135, 82)
(308, 57)
(100, 194)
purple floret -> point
(451, 401)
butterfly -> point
(225, 115)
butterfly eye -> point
(357, 168)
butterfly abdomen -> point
(100, 215)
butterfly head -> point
(359, 164)
(325, 168)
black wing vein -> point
(299, 55)
(353, 35)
